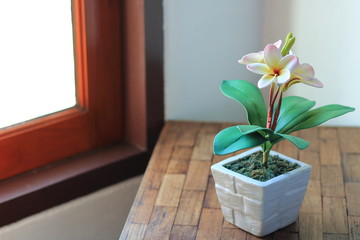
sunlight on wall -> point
(36, 59)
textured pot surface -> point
(260, 207)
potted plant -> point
(261, 190)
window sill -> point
(54, 184)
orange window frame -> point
(95, 120)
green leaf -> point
(250, 97)
(316, 117)
(239, 137)
(298, 142)
(245, 129)
(291, 108)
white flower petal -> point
(283, 77)
(266, 80)
(306, 70)
(251, 58)
(278, 43)
(312, 82)
(272, 56)
(259, 68)
(290, 62)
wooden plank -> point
(351, 167)
(312, 200)
(166, 142)
(143, 207)
(233, 233)
(252, 237)
(203, 149)
(154, 173)
(179, 232)
(211, 200)
(294, 227)
(187, 133)
(312, 158)
(161, 223)
(328, 236)
(197, 176)
(287, 148)
(190, 208)
(177, 166)
(354, 227)
(219, 158)
(310, 226)
(286, 236)
(170, 190)
(332, 184)
(226, 224)
(334, 215)
(182, 153)
(311, 135)
(133, 231)
(352, 192)
(210, 127)
(329, 146)
(210, 224)
(350, 139)
(160, 158)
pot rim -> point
(220, 167)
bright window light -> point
(37, 75)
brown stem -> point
(274, 99)
(273, 126)
(270, 107)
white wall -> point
(205, 38)
(203, 41)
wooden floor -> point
(177, 200)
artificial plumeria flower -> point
(303, 73)
(276, 68)
(256, 57)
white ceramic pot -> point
(260, 207)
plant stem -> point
(274, 98)
(276, 116)
(265, 157)
(270, 108)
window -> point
(110, 133)
(95, 120)
(36, 58)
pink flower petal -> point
(283, 77)
(259, 68)
(251, 58)
(266, 80)
(272, 56)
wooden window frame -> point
(142, 89)
(96, 119)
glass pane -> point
(36, 59)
